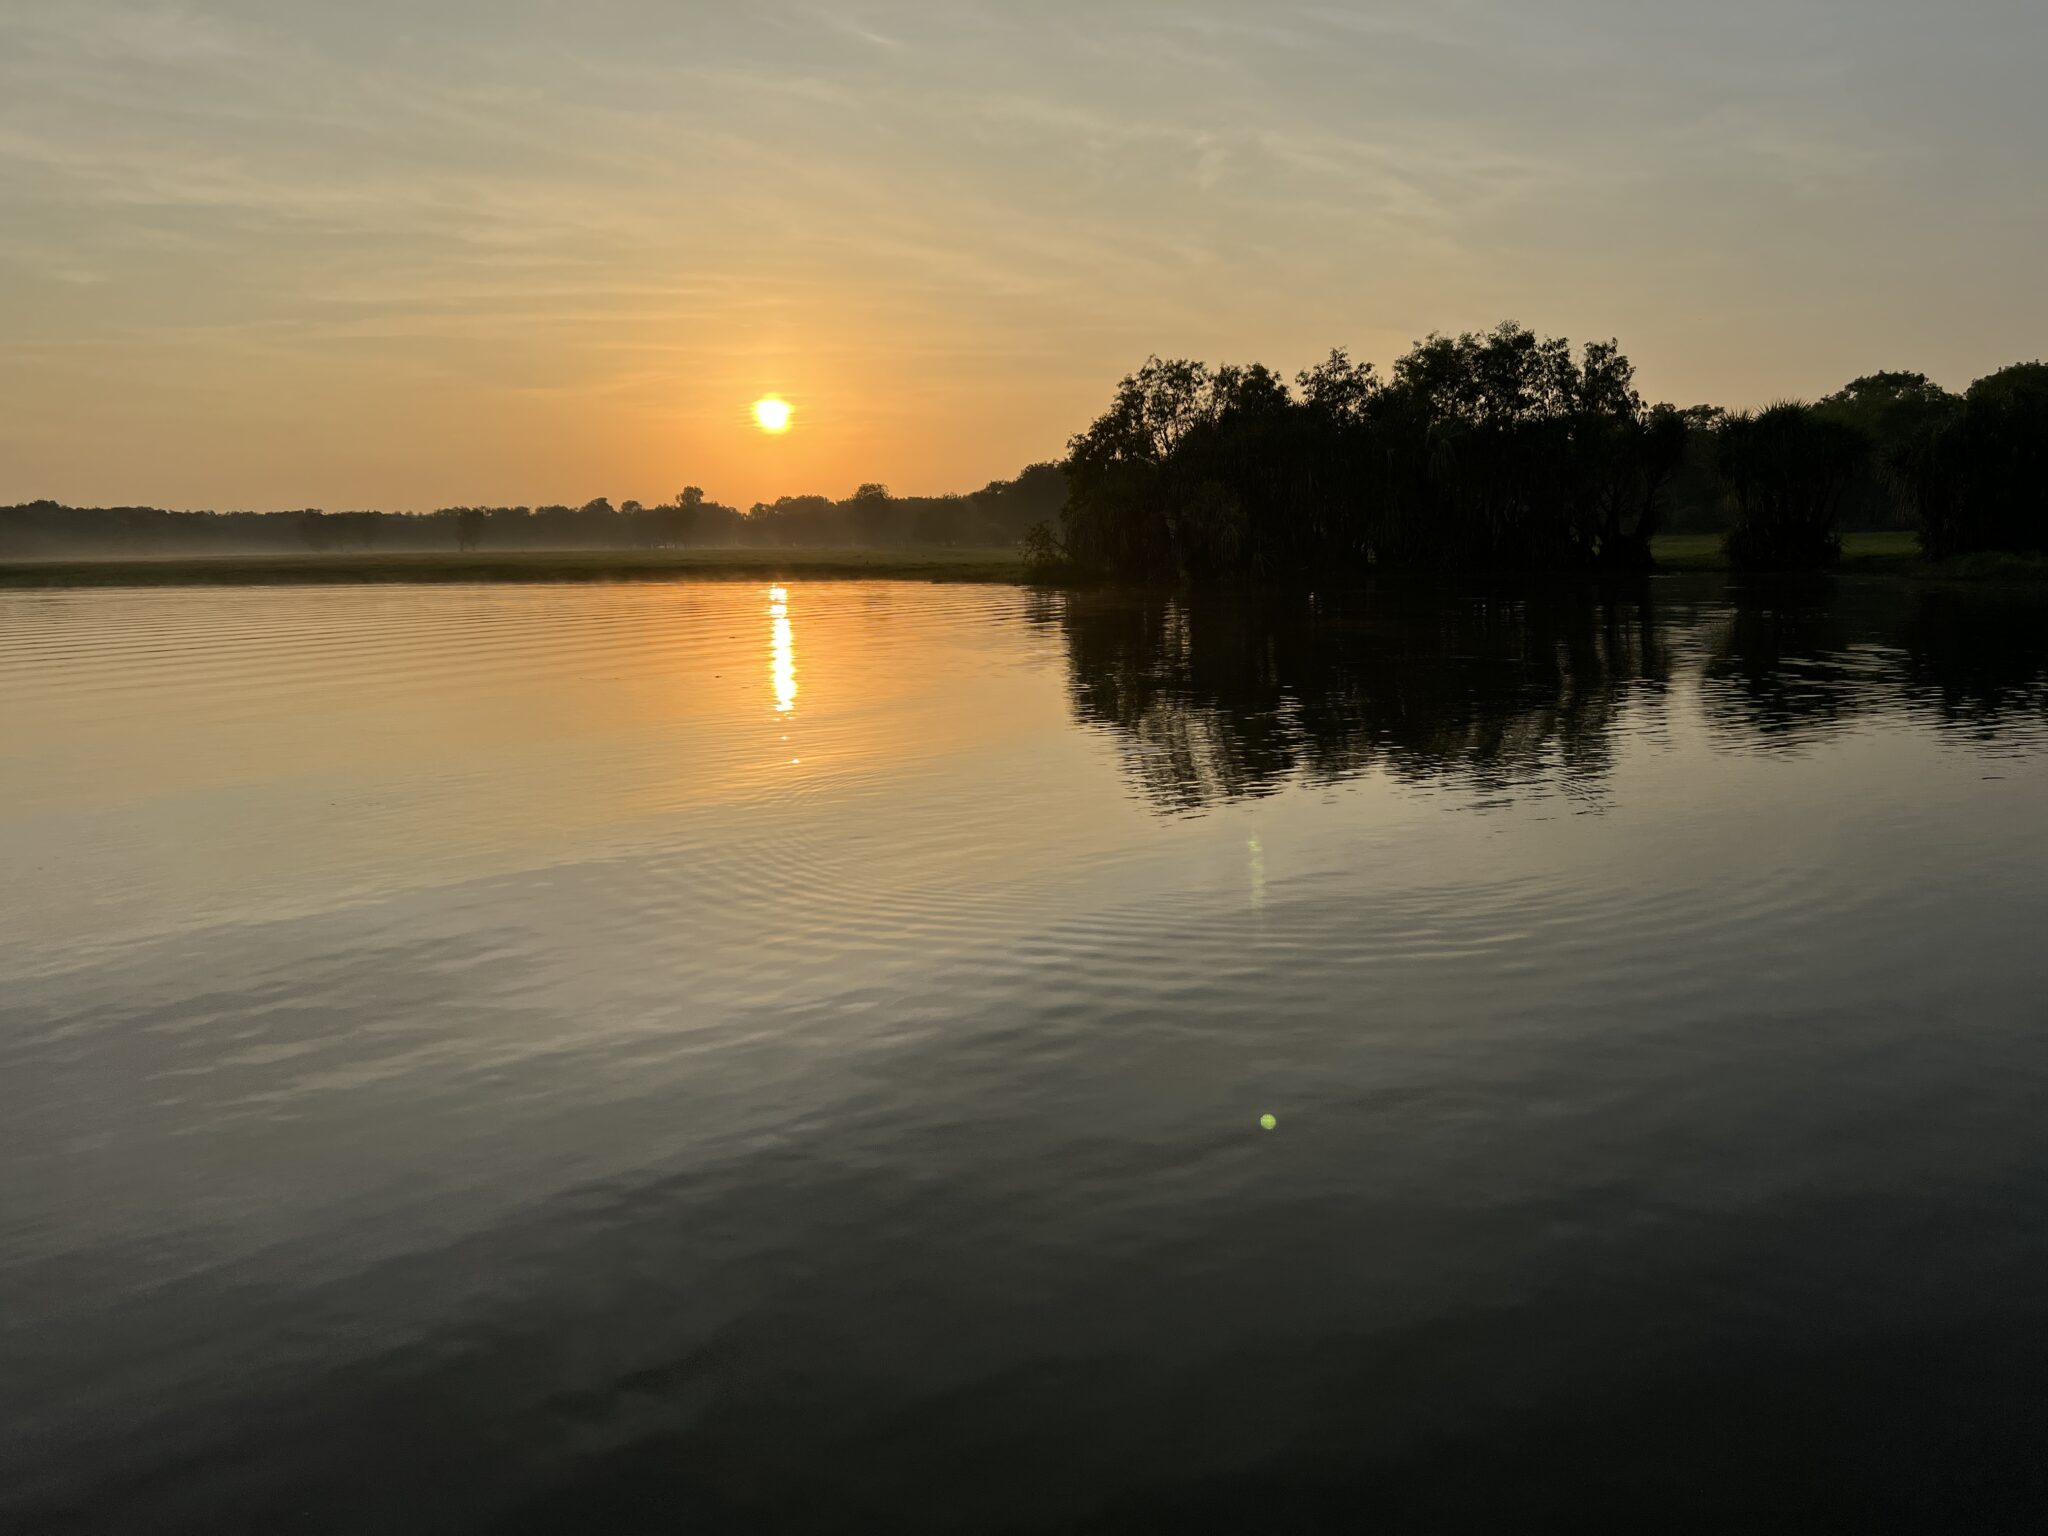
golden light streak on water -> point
(782, 665)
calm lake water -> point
(711, 1057)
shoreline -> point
(1892, 554)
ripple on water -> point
(522, 1057)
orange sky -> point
(271, 253)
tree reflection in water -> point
(1219, 697)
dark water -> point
(699, 1058)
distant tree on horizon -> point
(871, 512)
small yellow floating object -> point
(1269, 1121)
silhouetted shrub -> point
(1787, 469)
(1980, 479)
(1893, 412)
(1044, 554)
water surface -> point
(720, 1057)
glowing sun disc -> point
(772, 414)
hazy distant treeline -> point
(996, 515)
(1507, 451)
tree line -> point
(995, 516)
(1503, 450)
(1496, 450)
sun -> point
(771, 414)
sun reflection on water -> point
(782, 666)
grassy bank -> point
(908, 564)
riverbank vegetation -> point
(1504, 450)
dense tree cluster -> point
(1978, 478)
(1503, 450)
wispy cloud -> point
(902, 205)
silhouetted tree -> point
(1894, 412)
(1117, 517)
(1979, 478)
(1045, 554)
(1787, 467)
(677, 523)
(1498, 449)
(1005, 509)
(870, 513)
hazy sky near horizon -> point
(289, 252)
